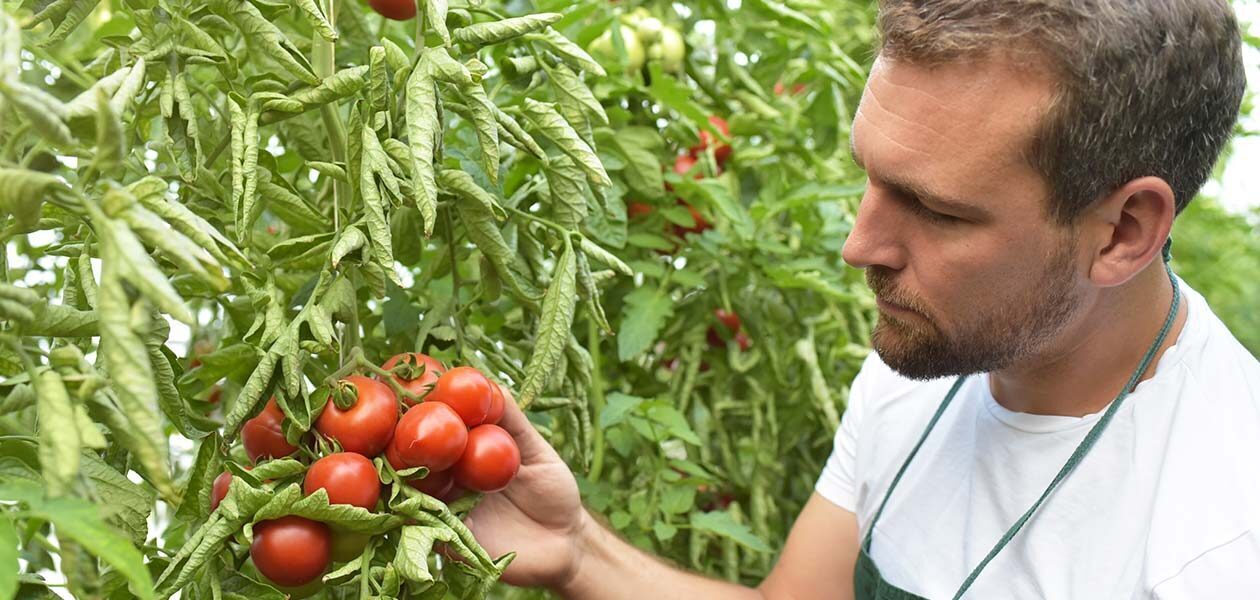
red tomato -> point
(219, 490)
(490, 461)
(263, 437)
(349, 478)
(743, 341)
(467, 391)
(398, 10)
(701, 224)
(428, 367)
(498, 396)
(436, 483)
(431, 435)
(684, 163)
(638, 209)
(291, 551)
(365, 427)
(216, 392)
(728, 318)
(721, 150)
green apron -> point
(869, 584)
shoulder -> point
(1227, 570)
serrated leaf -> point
(289, 500)
(721, 523)
(553, 328)
(553, 126)
(316, 18)
(78, 10)
(479, 222)
(22, 193)
(565, 189)
(351, 239)
(44, 112)
(517, 135)
(342, 84)
(443, 67)
(568, 51)
(84, 105)
(265, 36)
(435, 14)
(81, 522)
(567, 83)
(249, 208)
(59, 442)
(177, 248)
(127, 504)
(481, 113)
(190, 224)
(292, 208)
(493, 32)
(415, 545)
(460, 183)
(109, 137)
(422, 131)
(598, 253)
(130, 87)
(643, 315)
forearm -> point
(611, 569)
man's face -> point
(952, 226)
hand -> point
(539, 516)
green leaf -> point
(493, 32)
(44, 111)
(59, 443)
(553, 328)
(126, 505)
(517, 136)
(555, 128)
(22, 193)
(593, 250)
(350, 240)
(340, 85)
(130, 87)
(643, 315)
(110, 152)
(568, 51)
(8, 558)
(618, 407)
(120, 247)
(76, 12)
(265, 36)
(187, 222)
(376, 163)
(668, 91)
(678, 499)
(435, 15)
(566, 192)
(415, 545)
(567, 83)
(481, 113)
(77, 520)
(191, 258)
(85, 104)
(721, 523)
(311, 11)
(423, 130)
(195, 503)
(479, 221)
(289, 500)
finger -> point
(533, 447)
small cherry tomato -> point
(431, 435)
(263, 436)
(366, 427)
(467, 391)
(743, 341)
(728, 318)
(219, 490)
(498, 400)
(424, 370)
(349, 478)
(398, 10)
(291, 551)
(721, 150)
(635, 210)
(490, 461)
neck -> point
(1084, 372)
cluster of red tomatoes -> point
(452, 433)
(685, 164)
(731, 328)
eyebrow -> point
(913, 190)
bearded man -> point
(1050, 412)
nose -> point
(875, 238)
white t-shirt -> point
(1165, 506)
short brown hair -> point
(1145, 88)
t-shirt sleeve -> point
(838, 482)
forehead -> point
(962, 128)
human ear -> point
(1128, 229)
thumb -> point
(534, 448)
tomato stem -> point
(597, 397)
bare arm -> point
(816, 563)
(560, 546)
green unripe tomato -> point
(604, 51)
(673, 50)
(649, 30)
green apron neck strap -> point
(866, 543)
(1094, 433)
